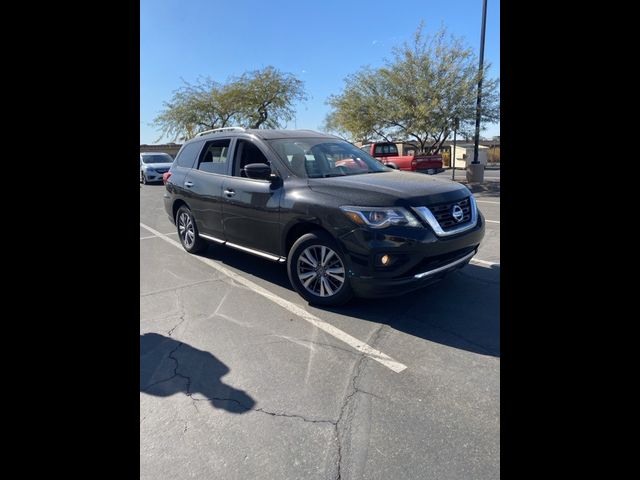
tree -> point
(416, 96)
(261, 98)
(196, 107)
(268, 97)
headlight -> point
(380, 217)
(151, 170)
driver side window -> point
(246, 152)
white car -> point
(153, 165)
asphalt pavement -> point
(241, 378)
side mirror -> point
(258, 171)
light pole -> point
(453, 157)
(484, 23)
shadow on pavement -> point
(259, 267)
(461, 311)
(168, 366)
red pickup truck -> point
(387, 153)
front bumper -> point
(153, 176)
(378, 287)
(419, 257)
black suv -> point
(343, 222)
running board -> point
(268, 256)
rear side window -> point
(215, 157)
(388, 149)
(188, 154)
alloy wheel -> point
(320, 270)
(186, 230)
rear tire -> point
(317, 270)
(188, 231)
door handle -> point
(188, 184)
(229, 192)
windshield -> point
(324, 157)
(160, 158)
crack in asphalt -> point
(276, 414)
(175, 373)
(358, 369)
(340, 426)
(181, 310)
(222, 399)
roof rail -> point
(222, 129)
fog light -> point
(385, 259)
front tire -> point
(317, 270)
(188, 231)
(144, 179)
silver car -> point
(153, 165)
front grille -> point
(443, 213)
(161, 170)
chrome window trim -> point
(444, 267)
(425, 214)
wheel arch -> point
(176, 205)
(297, 230)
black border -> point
(77, 285)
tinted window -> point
(188, 154)
(325, 157)
(214, 158)
(157, 158)
(247, 153)
(386, 149)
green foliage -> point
(258, 99)
(416, 96)
(267, 97)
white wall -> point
(483, 155)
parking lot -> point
(241, 378)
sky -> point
(319, 41)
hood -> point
(158, 166)
(390, 188)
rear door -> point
(181, 168)
(251, 207)
(205, 185)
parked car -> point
(284, 195)
(387, 153)
(153, 165)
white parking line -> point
(487, 201)
(376, 355)
(491, 221)
(147, 238)
(483, 262)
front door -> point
(251, 208)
